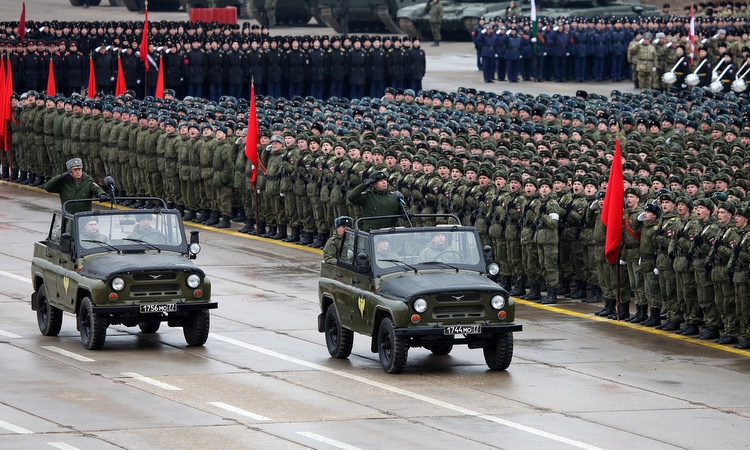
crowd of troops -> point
(530, 173)
(212, 60)
(597, 49)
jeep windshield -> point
(128, 231)
(420, 250)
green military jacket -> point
(70, 190)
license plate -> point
(171, 307)
(462, 329)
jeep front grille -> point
(458, 312)
(458, 297)
(155, 276)
(155, 290)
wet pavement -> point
(264, 378)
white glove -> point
(507, 33)
(533, 40)
(158, 49)
(641, 41)
(623, 262)
(704, 40)
(567, 54)
(554, 216)
(98, 48)
(545, 54)
(520, 57)
(111, 78)
(107, 47)
(555, 28)
(281, 194)
(656, 271)
(654, 70)
(594, 205)
(639, 261)
(670, 44)
(137, 81)
(124, 50)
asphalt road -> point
(449, 66)
(264, 378)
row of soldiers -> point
(495, 178)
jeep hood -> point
(105, 266)
(408, 286)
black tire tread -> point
(344, 339)
(195, 329)
(499, 353)
(94, 338)
(395, 361)
(48, 317)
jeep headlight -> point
(498, 302)
(493, 269)
(193, 281)
(117, 284)
(420, 305)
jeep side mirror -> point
(65, 242)
(362, 264)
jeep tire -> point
(48, 317)
(499, 352)
(393, 350)
(93, 327)
(195, 328)
(339, 340)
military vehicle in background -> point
(459, 18)
(288, 12)
(153, 5)
(366, 15)
(583, 8)
(97, 2)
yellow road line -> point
(622, 323)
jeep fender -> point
(380, 314)
(326, 301)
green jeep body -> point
(409, 297)
(117, 278)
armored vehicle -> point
(408, 287)
(366, 15)
(583, 8)
(288, 12)
(112, 267)
(459, 18)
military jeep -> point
(113, 267)
(415, 287)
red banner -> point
(613, 208)
(51, 88)
(22, 23)
(144, 43)
(120, 87)
(253, 138)
(160, 81)
(91, 90)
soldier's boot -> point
(580, 291)
(293, 237)
(270, 233)
(260, 231)
(551, 297)
(305, 239)
(641, 312)
(654, 319)
(249, 227)
(190, 215)
(436, 44)
(319, 241)
(534, 292)
(21, 177)
(223, 222)
(239, 215)
(519, 289)
(180, 209)
(624, 312)
(505, 283)
(6, 173)
(28, 178)
(281, 234)
(214, 218)
(609, 308)
(596, 295)
(139, 204)
(201, 216)
(564, 287)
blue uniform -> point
(560, 52)
(488, 55)
(619, 46)
(476, 37)
(581, 52)
(527, 58)
(600, 50)
(513, 56)
(501, 41)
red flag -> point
(51, 89)
(3, 101)
(252, 141)
(144, 43)
(613, 208)
(120, 87)
(91, 91)
(8, 114)
(22, 23)
(160, 81)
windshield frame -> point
(117, 226)
(408, 246)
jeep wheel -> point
(393, 350)
(338, 340)
(149, 327)
(93, 326)
(195, 328)
(48, 317)
(499, 352)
